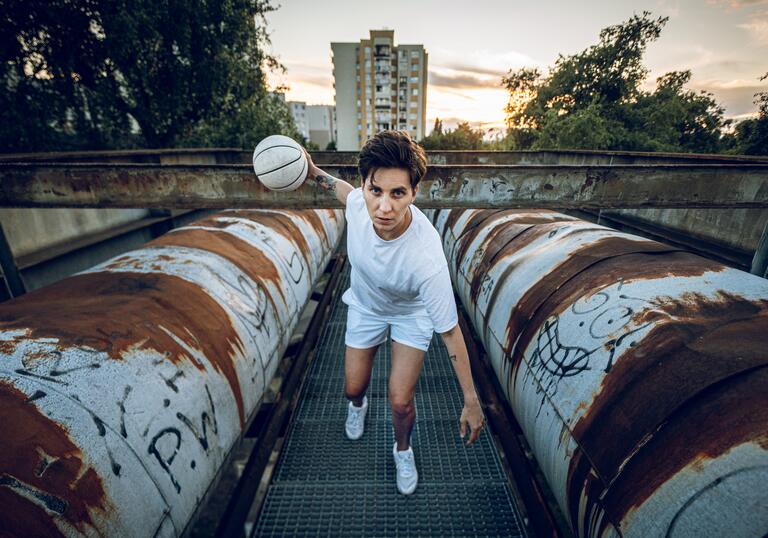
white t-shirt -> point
(404, 276)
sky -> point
(471, 45)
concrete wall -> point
(32, 230)
(736, 228)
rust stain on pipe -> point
(607, 247)
(116, 312)
(42, 473)
(695, 343)
(633, 368)
(248, 258)
(707, 426)
(279, 222)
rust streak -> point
(722, 417)
(695, 342)
(32, 441)
(115, 312)
(313, 219)
(588, 255)
(278, 222)
(249, 259)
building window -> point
(413, 104)
(414, 54)
(415, 91)
(414, 80)
(359, 127)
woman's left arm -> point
(472, 414)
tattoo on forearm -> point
(452, 357)
(326, 182)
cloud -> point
(738, 4)
(481, 61)
(670, 9)
(463, 80)
(757, 28)
(737, 96)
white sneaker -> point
(356, 419)
(407, 476)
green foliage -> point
(594, 100)
(331, 146)
(751, 135)
(94, 74)
(464, 137)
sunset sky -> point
(472, 44)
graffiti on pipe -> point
(140, 373)
(636, 371)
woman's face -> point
(387, 197)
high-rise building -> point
(379, 85)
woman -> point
(399, 280)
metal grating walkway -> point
(326, 485)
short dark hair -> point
(393, 149)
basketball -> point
(279, 163)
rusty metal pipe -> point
(637, 371)
(123, 388)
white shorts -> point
(365, 329)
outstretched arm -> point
(326, 181)
(471, 415)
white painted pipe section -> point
(123, 388)
(637, 372)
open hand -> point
(472, 417)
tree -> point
(751, 135)
(464, 137)
(113, 73)
(594, 100)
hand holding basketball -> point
(280, 163)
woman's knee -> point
(354, 390)
(401, 404)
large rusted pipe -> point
(123, 388)
(637, 371)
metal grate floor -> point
(326, 485)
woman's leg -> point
(405, 370)
(358, 364)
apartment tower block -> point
(378, 86)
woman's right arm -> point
(326, 181)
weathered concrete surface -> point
(30, 231)
(240, 156)
(736, 228)
(123, 388)
(637, 372)
(224, 186)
